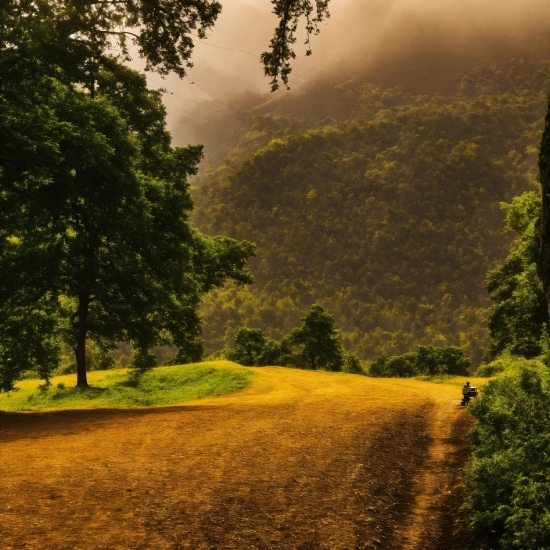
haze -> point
(422, 45)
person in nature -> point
(465, 392)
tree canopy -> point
(95, 238)
(518, 314)
(76, 35)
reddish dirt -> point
(301, 460)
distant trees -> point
(390, 219)
(314, 345)
(427, 360)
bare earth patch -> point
(300, 460)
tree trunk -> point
(544, 175)
(83, 305)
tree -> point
(544, 231)
(75, 34)
(96, 234)
(518, 314)
(316, 342)
(92, 192)
(252, 347)
(248, 345)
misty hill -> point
(390, 218)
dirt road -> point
(300, 460)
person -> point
(465, 393)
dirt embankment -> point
(300, 460)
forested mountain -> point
(390, 218)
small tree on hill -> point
(248, 345)
(316, 343)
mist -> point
(420, 45)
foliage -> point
(95, 240)
(391, 219)
(277, 60)
(119, 388)
(507, 482)
(426, 360)
(544, 179)
(314, 345)
(493, 368)
(248, 346)
(74, 35)
(518, 313)
(352, 365)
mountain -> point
(389, 218)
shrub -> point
(507, 483)
(491, 369)
(143, 360)
(402, 366)
(352, 365)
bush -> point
(402, 366)
(491, 369)
(143, 360)
(507, 483)
(352, 365)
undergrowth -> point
(507, 482)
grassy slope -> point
(120, 388)
(163, 386)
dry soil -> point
(299, 460)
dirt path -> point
(301, 461)
(434, 521)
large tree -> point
(95, 241)
(101, 234)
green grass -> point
(122, 388)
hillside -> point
(389, 218)
(300, 459)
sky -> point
(420, 44)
